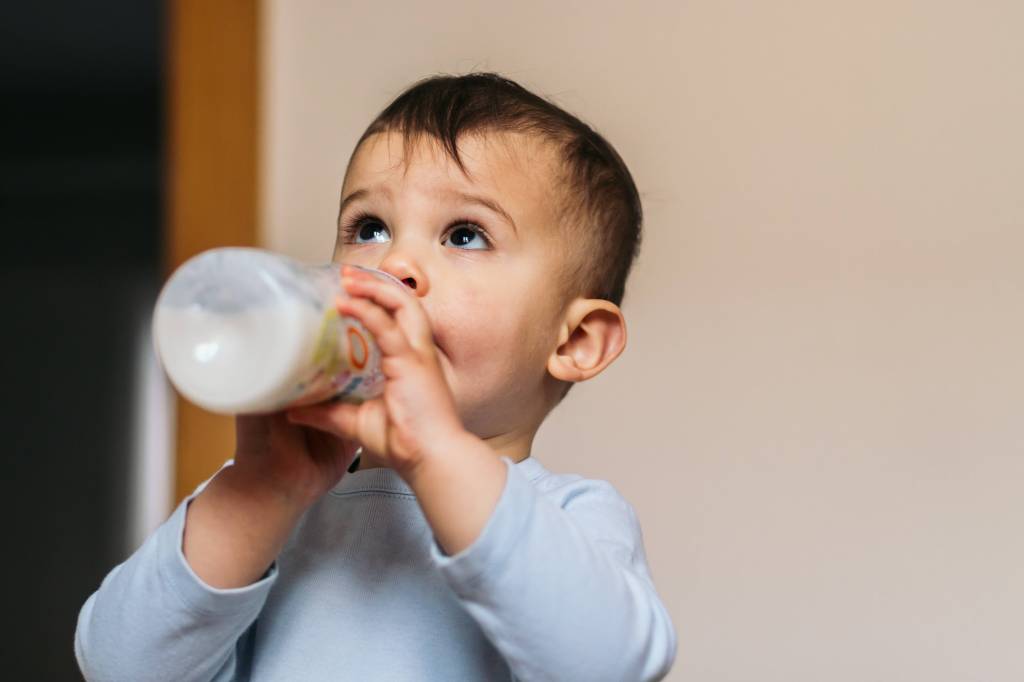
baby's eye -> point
(467, 236)
(370, 230)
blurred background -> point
(85, 416)
(820, 415)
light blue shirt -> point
(556, 587)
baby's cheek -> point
(476, 343)
(490, 337)
(486, 352)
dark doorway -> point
(81, 208)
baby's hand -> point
(416, 414)
(299, 463)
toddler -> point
(414, 536)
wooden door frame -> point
(212, 175)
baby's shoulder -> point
(574, 492)
(601, 511)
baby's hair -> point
(601, 202)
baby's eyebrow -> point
(360, 194)
(462, 196)
(489, 204)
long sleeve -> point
(153, 618)
(563, 590)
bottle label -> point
(345, 364)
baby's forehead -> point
(500, 161)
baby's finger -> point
(385, 330)
(365, 423)
(388, 295)
(339, 419)
(406, 308)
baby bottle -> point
(241, 330)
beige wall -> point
(819, 415)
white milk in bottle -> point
(242, 330)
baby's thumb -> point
(340, 419)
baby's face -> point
(484, 253)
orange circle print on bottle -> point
(357, 359)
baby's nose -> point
(406, 269)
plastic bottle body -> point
(241, 330)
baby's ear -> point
(591, 336)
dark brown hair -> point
(600, 200)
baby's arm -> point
(158, 616)
(564, 591)
(236, 527)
